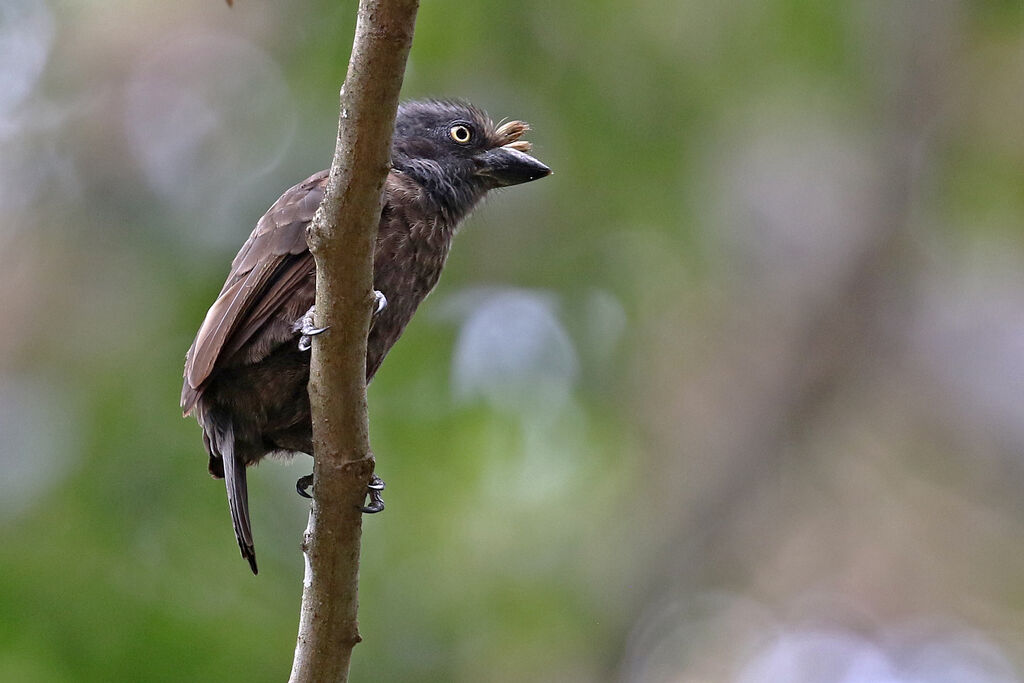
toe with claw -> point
(373, 489)
(303, 484)
(308, 328)
(379, 302)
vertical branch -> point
(341, 238)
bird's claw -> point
(303, 484)
(308, 328)
(379, 302)
(373, 489)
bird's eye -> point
(460, 133)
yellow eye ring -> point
(460, 133)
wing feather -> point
(267, 268)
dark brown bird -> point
(247, 370)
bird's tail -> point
(238, 495)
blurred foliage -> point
(782, 247)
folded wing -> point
(264, 275)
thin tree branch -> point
(341, 238)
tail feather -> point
(238, 496)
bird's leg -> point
(308, 328)
(373, 490)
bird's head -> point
(457, 154)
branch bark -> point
(341, 239)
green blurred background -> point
(736, 395)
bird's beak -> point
(509, 166)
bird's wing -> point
(266, 270)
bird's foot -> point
(308, 328)
(303, 484)
(379, 302)
(373, 490)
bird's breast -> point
(410, 254)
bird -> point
(246, 373)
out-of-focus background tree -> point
(736, 395)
